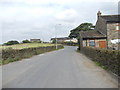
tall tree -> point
(82, 27)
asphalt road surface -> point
(64, 68)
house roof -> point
(61, 38)
(91, 34)
(111, 18)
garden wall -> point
(109, 59)
(10, 55)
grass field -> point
(26, 45)
(21, 51)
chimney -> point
(99, 14)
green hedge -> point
(10, 55)
(108, 59)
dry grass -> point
(26, 45)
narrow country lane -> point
(64, 68)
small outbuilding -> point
(93, 38)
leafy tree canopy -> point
(26, 41)
(82, 27)
(11, 43)
(54, 41)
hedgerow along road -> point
(64, 68)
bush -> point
(109, 59)
(26, 41)
(54, 41)
(11, 43)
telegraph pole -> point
(56, 42)
(56, 36)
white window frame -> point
(92, 42)
(117, 27)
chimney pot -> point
(99, 14)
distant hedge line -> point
(108, 59)
(10, 55)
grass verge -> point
(96, 63)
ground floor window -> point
(92, 43)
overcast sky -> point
(44, 19)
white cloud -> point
(67, 14)
(38, 18)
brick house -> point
(106, 30)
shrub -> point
(54, 41)
(11, 43)
(26, 41)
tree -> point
(54, 41)
(82, 27)
(26, 41)
(11, 43)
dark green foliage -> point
(26, 41)
(107, 59)
(11, 55)
(82, 27)
(70, 43)
(11, 43)
(54, 41)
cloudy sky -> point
(25, 19)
